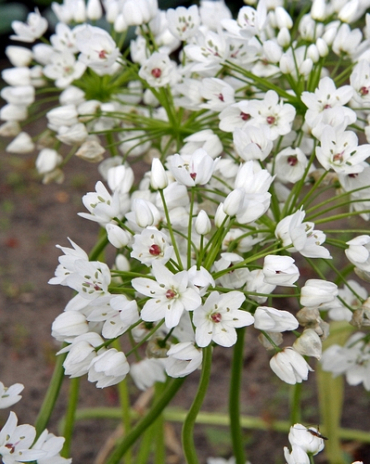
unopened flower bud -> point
(283, 37)
(120, 25)
(91, 151)
(309, 344)
(94, 10)
(117, 236)
(69, 325)
(19, 56)
(202, 223)
(330, 34)
(158, 176)
(47, 160)
(10, 129)
(306, 67)
(318, 10)
(220, 217)
(350, 11)
(283, 18)
(276, 337)
(21, 144)
(233, 202)
(11, 112)
(286, 64)
(322, 47)
(79, 11)
(143, 214)
(313, 53)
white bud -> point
(122, 263)
(11, 112)
(158, 176)
(21, 144)
(79, 11)
(233, 202)
(283, 18)
(283, 37)
(10, 129)
(117, 236)
(90, 151)
(309, 344)
(350, 11)
(112, 9)
(19, 56)
(322, 47)
(47, 160)
(69, 325)
(330, 34)
(318, 10)
(202, 223)
(94, 10)
(220, 216)
(272, 51)
(313, 53)
(306, 67)
(120, 25)
(286, 64)
(143, 214)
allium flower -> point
(146, 372)
(218, 318)
(274, 320)
(98, 50)
(151, 245)
(358, 252)
(158, 70)
(52, 446)
(34, 28)
(16, 440)
(191, 170)
(10, 395)
(280, 270)
(252, 142)
(290, 366)
(299, 435)
(102, 205)
(296, 456)
(169, 295)
(21, 144)
(318, 293)
(64, 69)
(218, 94)
(183, 23)
(108, 368)
(183, 359)
(290, 165)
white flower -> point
(340, 151)
(15, 441)
(18, 56)
(205, 139)
(358, 252)
(34, 28)
(252, 142)
(274, 320)
(90, 151)
(290, 366)
(103, 207)
(52, 446)
(183, 359)
(98, 50)
(108, 368)
(10, 395)
(302, 236)
(21, 144)
(309, 344)
(80, 353)
(169, 295)
(218, 318)
(158, 70)
(146, 372)
(299, 435)
(183, 23)
(69, 325)
(218, 93)
(317, 292)
(19, 95)
(290, 165)
(64, 69)
(191, 170)
(151, 245)
(117, 236)
(297, 456)
(158, 176)
(280, 270)
(90, 279)
(48, 160)
(67, 263)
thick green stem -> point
(234, 398)
(146, 421)
(295, 403)
(188, 427)
(70, 416)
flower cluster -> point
(246, 125)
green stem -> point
(187, 430)
(234, 398)
(295, 403)
(125, 405)
(160, 449)
(51, 396)
(70, 416)
(122, 447)
(170, 229)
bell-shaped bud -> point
(158, 176)
(21, 144)
(322, 47)
(202, 223)
(283, 18)
(318, 10)
(117, 236)
(91, 151)
(313, 53)
(220, 216)
(309, 344)
(233, 202)
(350, 11)
(143, 214)
(94, 10)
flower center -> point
(292, 160)
(338, 158)
(103, 54)
(155, 250)
(193, 175)
(156, 72)
(270, 119)
(245, 116)
(170, 294)
(221, 97)
(216, 317)
(364, 91)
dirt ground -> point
(34, 218)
